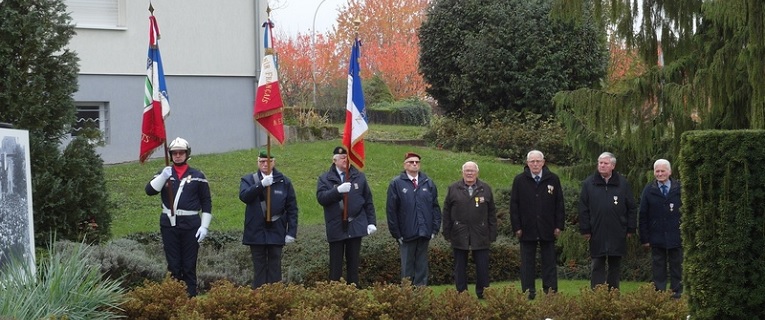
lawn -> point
(567, 287)
(302, 162)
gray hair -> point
(608, 155)
(533, 152)
(470, 162)
(664, 162)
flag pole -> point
(268, 189)
(356, 24)
(168, 183)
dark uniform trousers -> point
(481, 259)
(351, 250)
(528, 266)
(611, 276)
(181, 249)
(267, 262)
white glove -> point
(167, 172)
(289, 239)
(344, 187)
(159, 181)
(432, 236)
(400, 240)
(267, 180)
(371, 229)
(202, 232)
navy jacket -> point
(537, 209)
(413, 213)
(194, 197)
(608, 212)
(470, 222)
(660, 216)
(283, 206)
(361, 209)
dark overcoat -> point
(537, 209)
(608, 212)
(470, 222)
(361, 209)
(284, 210)
(660, 216)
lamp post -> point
(313, 51)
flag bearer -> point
(186, 213)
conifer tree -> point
(709, 75)
(39, 77)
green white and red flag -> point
(156, 106)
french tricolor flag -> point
(355, 116)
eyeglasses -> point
(535, 161)
(413, 162)
(262, 161)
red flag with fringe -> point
(268, 98)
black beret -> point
(339, 150)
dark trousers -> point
(481, 259)
(181, 249)
(601, 275)
(663, 258)
(528, 266)
(350, 249)
(267, 262)
(414, 261)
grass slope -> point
(302, 162)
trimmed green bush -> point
(723, 225)
(411, 111)
(377, 91)
(506, 134)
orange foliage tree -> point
(296, 68)
(390, 48)
(390, 45)
(623, 64)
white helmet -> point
(180, 144)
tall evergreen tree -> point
(710, 76)
(39, 78)
(480, 56)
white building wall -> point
(210, 52)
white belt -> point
(179, 212)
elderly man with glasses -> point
(537, 216)
(414, 217)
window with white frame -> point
(92, 115)
(97, 14)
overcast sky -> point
(296, 16)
